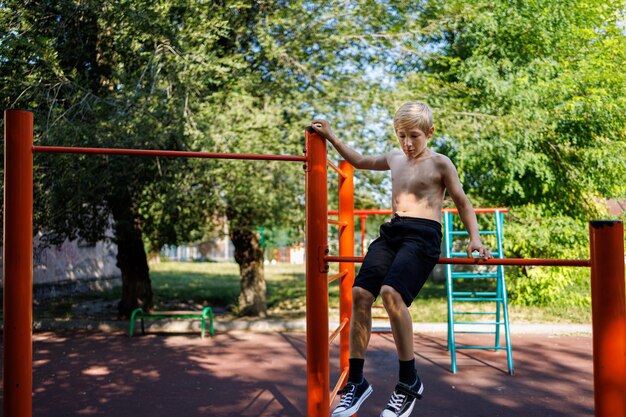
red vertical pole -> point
(317, 356)
(363, 220)
(608, 317)
(346, 248)
(18, 263)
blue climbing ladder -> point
(481, 285)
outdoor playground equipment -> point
(606, 262)
(496, 297)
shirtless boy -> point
(399, 261)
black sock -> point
(356, 370)
(408, 373)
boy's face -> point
(413, 140)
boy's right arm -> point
(376, 163)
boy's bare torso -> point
(417, 184)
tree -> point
(529, 102)
(176, 74)
(105, 76)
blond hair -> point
(413, 114)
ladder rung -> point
(484, 323)
(472, 299)
(495, 254)
(465, 233)
(470, 332)
(474, 312)
(476, 293)
(474, 275)
(478, 347)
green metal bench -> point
(138, 313)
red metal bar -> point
(317, 349)
(165, 153)
(342, 379)
(472, 261)
(346, 248)
(337, 276)
(608, 317)
(336, 168)
(18, 263)
(337, 222)
(339, 328)
(368, 212)
(363, 220)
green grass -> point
(217, 285)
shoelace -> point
(346, 399)
(396, 401)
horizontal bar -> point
(481, 261)
(479, 322)
(479, 347)
(475, 293)
(337, 222)
(495, 254)
(478, 275)
(477, 210)
(475, 299)
(337, 330)
(336, 168)
(337, 276)
(465, 233)
(342, 378)
(482, 313)
(166, 153)
(480, 210)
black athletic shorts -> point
(403, 256)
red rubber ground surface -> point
(79, 373)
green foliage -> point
(529, 104)
(530, 233)
(528, 100)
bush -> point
(529, 233)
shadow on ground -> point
(80, 373)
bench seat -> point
(138, 313)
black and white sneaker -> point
(403, 399)
(353, 396)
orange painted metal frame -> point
(607, 276)
(166, 153)
(346, 248)
(317, 347)
(608, 317)
(18, 263)
(363, 213)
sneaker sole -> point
(350, 411)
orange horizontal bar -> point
(337, 276)
(166, 153)
(367, 212)
(342, 378)
(337, 330)
(336, 168)
(480, 261)
(337, 222)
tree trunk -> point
(249, 256)
(132, 261)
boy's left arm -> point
(466, 211)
